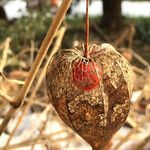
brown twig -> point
(87, 30)
(6, 120)
(31, 141)
(143, 143)
(47, 112)
(124, 139)
(140, 59)
(32, 52)
(139, 70)
(37, 102)
(2, 45)
(136, 127)
(127, 35)
(131, 122)
(12, 80)
(5, 53)
(101, 32)
(5, 97)
(40, 56)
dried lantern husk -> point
(91, 95)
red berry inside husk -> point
(87, 75)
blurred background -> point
(23, 25)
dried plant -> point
(91, 94)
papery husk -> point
(97, 114)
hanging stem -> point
(87, 30)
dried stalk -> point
(5, 97)
(5, 53)
(131, 122)
(40, 79)
(143, 143)
(40, 103)
(8, 99)
(127, 34)
(40, 56)
(140, 59)
(101, 32)
(31, 141)
(32, 52)
(6, 120)
(2, 45)
(139, 70)
(86, 53)
(136, 127)
(42, 127)
(12, 81)
(126, 138)
(21, 53)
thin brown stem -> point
(31, 141)
(11, 80)
(140, 59)
(5, 53)
(5, 97)
(42, 127)
(87, 30)
(32, 52)
(6, 120)
(143, 143)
